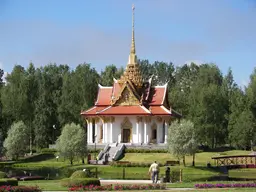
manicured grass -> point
(243, 173)
(49, 185)
(201, 158)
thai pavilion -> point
(131, 111)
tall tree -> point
(182, 139)
(77, 96)
(110, 72)
(17, 141)
(72, 142)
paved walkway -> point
(114, 181)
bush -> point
(134, 150)
(2, 175)
(48, 150)
(80, 182)
(10, 182)
(19, 189)
(79, 174)
(116, 164)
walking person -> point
(154, 171)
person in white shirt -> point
(154, 171)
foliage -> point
(182, 139)
(79, 174)
(134, 150)
(10, 182)
(228, 185)
(3, 174)
(118, 187)
(17, 140)
(51, 95)
(7, 188)
(48, 151)
(69, 182)
(72, 142)
(132, 164)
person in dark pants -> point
(154, 171)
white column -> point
(104, 137)
(96, 133)
(165, 131)
(137, 132)
(145, 133)
(111, 132)
(88, 133)
(141, 132)
(106, 132)
(91, 133)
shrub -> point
(79, 174)
(3, 174)
(10, 182)
(80, 182)
(118, 187)
(19, 189)
(48, 150)
(116, 164)
(134, 150)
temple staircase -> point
(111, 152)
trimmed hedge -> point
(48, 151)
(118, 164)
(79, 174)
(134, 150)
(80, 182)
(2, 175)
(10, 182)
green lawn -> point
(201, 158)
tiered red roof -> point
(154, 103)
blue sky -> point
(99, 32)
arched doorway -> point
(126, 134)
(154, 133)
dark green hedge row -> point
(2, 175)
(80, 182)
(117, 164)
(134, 150)
(10, 182)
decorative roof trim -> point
(145, 109)
(88, 110)
(103, 109)
(164, 93)
(166, 110)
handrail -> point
(118, 152)
(103, 151)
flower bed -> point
(7, 188)
(117, 187)
(228, 185)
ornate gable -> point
(127, 96)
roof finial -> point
(133, 41)
(132, 56)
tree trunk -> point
(82, 160)
(193, 161)
(71, 161)
(184, 161)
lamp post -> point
(95, 146)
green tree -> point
(72, 142)
(110, 72)
(17, 140)
(182, 139)
(77, 97)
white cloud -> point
(4, 77)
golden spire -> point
(132, 71)
(132, 56)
